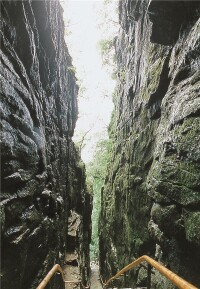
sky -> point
(85, 26)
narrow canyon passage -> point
(94, 166)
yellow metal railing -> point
(174, 278)
(57, 269)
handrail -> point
(56, 268)
(174, 278)
(45, 281)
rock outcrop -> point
(43, 178)
(151, 197)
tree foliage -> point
(96, 172)
(106, 48)
(109, 26)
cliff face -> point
(43, 178)
(151, 198)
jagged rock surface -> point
(151, 198)
(43, 177)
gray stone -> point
(151, 195)
(41, 175)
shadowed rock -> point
(42, 175)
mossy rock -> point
(192, 226)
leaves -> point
(96, 172)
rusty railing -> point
(174, 278)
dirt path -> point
(71, 273)
(94, 280)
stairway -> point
(95, 280)
(174, 278)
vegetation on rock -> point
(96, 173)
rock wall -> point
(151, 197)
(43, 178)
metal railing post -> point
(149, 276)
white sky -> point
(95, 102)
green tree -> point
(109, 26)
(106, 48)
(96, 172)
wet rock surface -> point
(151, 198)
(43, 178)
